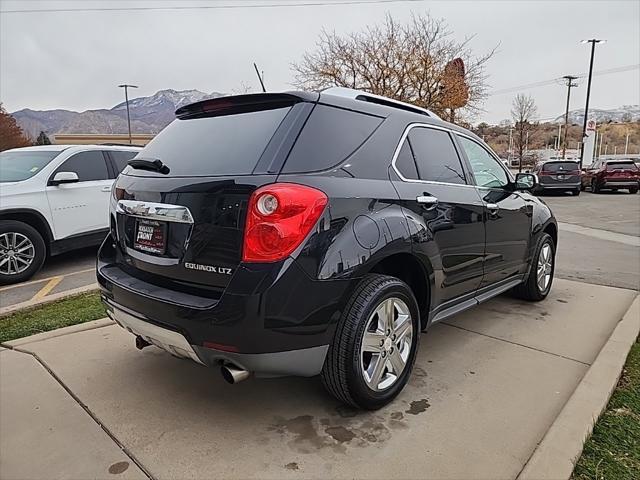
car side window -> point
(486, 169)
(90, 165)
(405, 163)
(436, 156)
(121, 158)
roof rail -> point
(379, 99)
(114, 144)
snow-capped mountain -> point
(148, 115)
(626, 113)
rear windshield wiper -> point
(152, 165)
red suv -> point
(612, 175)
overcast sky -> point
(75, 60)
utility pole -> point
(260, 77)
(126, 101)
(626, 144)
(593, 42)
(570, 85)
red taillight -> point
(279, 218)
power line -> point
(559, 79)
(207, 7)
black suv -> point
(558, 176)
(303, 234)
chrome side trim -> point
(155, 211)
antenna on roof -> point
(260, 77)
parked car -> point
(53, 198)
(612, 175)
(303, 234)
(558, 176)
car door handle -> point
(493, 209)
(105, 189)
(428, 201)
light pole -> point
(593, 42)
(126, 101)
(570, 85)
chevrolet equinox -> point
(316, 234)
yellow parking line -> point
(33, 282)
(44, 291)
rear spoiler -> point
(243, 103)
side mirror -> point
(64, 177)
(526, 181)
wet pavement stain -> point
(342, 428)
(118, 468)
(292, 466)
(418, 406)
(340, 434)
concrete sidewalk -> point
(486, 387)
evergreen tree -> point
(43, 139)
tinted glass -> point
(621, 166)
(120, 158)
(16, 166)
(328, 138)
(560, 167)
(436, 156)
(486, 169)
(88, 165)
(222, 145)
(405, 162)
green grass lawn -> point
(62, 313)
(613, 451)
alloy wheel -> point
(545, 267)
(17, 253)
(386, 344)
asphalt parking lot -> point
(62, 273)
(486, 387)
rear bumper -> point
(305, 362)
(620, 183)
(559, 186)
(272, 319)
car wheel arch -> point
(414, 272)
(33, 218)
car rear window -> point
(219, 145)
(621, 166)
(560, 167)
(17, 165)
(329, 137)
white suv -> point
(54, 198)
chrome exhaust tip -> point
(233, 374)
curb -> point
(48, 299)
(59, 332)
(561, 446)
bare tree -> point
(11, 135)
(418, 62)
(523, 112)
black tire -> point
(576, 192)
(594, 186)
(581, 187)
(633, 190)
(342, 374)
(529, 289)
(39, 249)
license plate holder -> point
(150, 236)
(561, 177)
